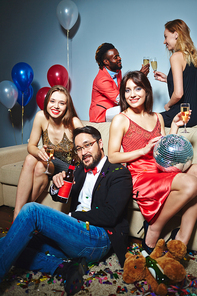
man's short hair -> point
(87, 130)
(101, 52)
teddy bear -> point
(158, 269)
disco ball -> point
(173, 153)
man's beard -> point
(115, 67)
(96, 160)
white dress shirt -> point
(85, 195)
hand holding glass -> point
(145, 61)
(50, 151)
(154, 64)
(185, 107)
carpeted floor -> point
(104, 279)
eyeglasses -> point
(85, 146)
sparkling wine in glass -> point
(50, 151)
(185, 107)
(145, 61)
(154, 64)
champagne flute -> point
(145, 61)
(154, 64)
(185, 107)
(50, 151)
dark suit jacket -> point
(110, 197)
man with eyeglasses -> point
(99, 195)
(64, 244)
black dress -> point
(190, 95)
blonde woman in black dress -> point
(182, 77)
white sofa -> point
(11, 161)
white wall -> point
(31, 33)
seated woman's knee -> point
(39, 169)
(190, 185)
(30, 161)
(192, 170)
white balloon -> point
(67, 13)
(8, 93)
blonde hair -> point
(184, 42)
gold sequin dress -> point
(63, 152)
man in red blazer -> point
(106, 85)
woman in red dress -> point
(159, 195)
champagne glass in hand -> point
(185, 107)
(50, 151)
(145, 61)
(154, 64)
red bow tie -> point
(94, 170)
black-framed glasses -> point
(85, 146)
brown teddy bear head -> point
(134, 268)
(176, 249)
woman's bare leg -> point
(25, 183)
(188, 221)
(184, 190)
(189, 214)
(192, 170)
(40, 180)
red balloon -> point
(57, 75)
(41, 94)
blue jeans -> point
(57, 237)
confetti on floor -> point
(102, 279)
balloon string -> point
(12, 124)
(22, 116)
(68, 57)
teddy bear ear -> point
(177, 249)
(128, 254)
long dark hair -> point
(141, 80)
(70, 112)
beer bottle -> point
(65, 190)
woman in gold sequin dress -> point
(55, 124)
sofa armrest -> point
(13, 154)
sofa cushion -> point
(133, 205)
(9, 174)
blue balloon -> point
(22, 75)
(24, 98)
